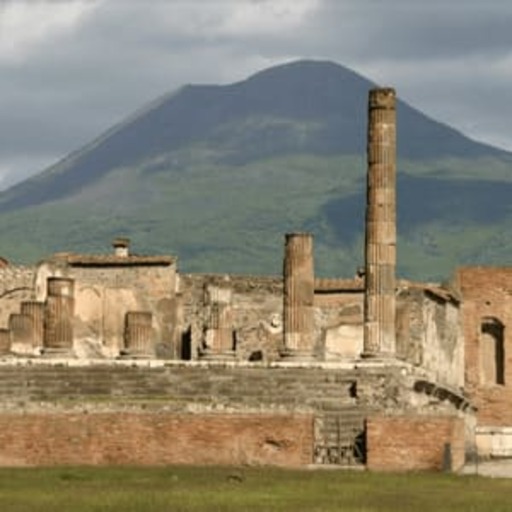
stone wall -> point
(256, 305)
(16, 285)
(494, 442)
(311, 414)
(105, 293)
(487, 300)
(429, 333)
(339, 307)
(257, 315)
(415, 443)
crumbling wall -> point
(198, 412)
(16, 286)
(257, 313)
(339, 308)
(104, 294)
(487, 297)
(429, 335)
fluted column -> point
(35, 310)
(299, 290)
(21, 328)
(219, 333)
(138, 334)
(58, 317)
(5, 341)
(380, 247)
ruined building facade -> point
(120, 358)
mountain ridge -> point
(281, 150)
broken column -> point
(21, 328)
(299, 291)
(58, 315)
(380, 248)
(219, 342)
(5, 342)
(35, 310)
(138, 334)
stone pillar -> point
(299, 292)
(138, 334)
(35, 310)
(219, 333)
(380, 248)
(22, 333)
(5, 341)
(58, 315)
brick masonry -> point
(195, 413)
(155, 439)
(404, 443)
(487, 293)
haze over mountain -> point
(217, 174)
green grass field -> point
(227, 489)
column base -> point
(58, 353)
(209, 355)
(297, 355)
(378, 355)
(127, 354)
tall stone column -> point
(138, 334)
(58, 317)
(380, 248)
(299, 291)
(35, 310)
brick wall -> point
(261, 414)
(155, 439)
(200, 413)
(487, 293)
(404, 443)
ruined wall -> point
(143, 438)
(257, 315)
(256, 305)
(197, 412)
(414, 443)
(429, 335)
(16, 286)
(339, 307)
(487, 298)
(105, 294)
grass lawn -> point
(175, 489)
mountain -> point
(217, 174)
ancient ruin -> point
(119, 358)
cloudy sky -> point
(69, 70)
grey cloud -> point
(439, 56)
